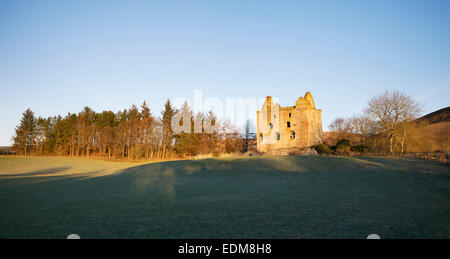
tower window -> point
(292, 134)
(274, 115)
(289, 115)
(288, 124)
(261, 136)
(271, 125)
(278, 135)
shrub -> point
(343, 143)
(323, 149)
(359, 148)
(343, 147)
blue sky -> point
(58, 56)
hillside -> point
(431, 132)
(442, 115)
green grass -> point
(255, 197)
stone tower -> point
(291, 127)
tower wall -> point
(288, 127)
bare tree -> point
(362, 125)
(249, 134)
(390, 110)
(342, 126)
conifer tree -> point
(167, 132)
(25, 133)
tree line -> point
(133, 133)
(385, 126)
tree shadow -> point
(47, 171)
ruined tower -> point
(291, 127)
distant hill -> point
(441, 115)
(431, 132)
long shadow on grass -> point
(48, 171)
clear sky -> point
(58, 56)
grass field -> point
(254, 197)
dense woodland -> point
(133, 133)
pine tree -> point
(104, 126)
(145, 127)
(134, 117)
(211, 127)
(25, 133)
(167, 116)
(84, 126)
(187, 141)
